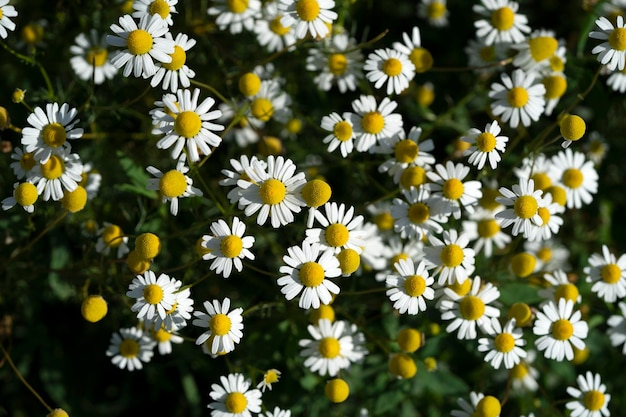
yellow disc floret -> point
(542, 47)
(485, 142)
(231, 246)
(392, 67)
(53, 168)
(272, 191)
(160, 7)
(311, 274)
(136, 263)
(384, 220)
(566, 291)
(187, 124)
(617, 39)
(503, 18)
(329, 347)
(57, 412)
(173, 184)
(414, 286)
(129, 348)
(139, 42)
(337, 64)
(453, 189)
(488, 406)
(262, 109)
(343, 130)
(562, 329)
(373, 122)
(337, 390)
(112, 236)
(237, 6)
(54, 135)
(179, 57)
(522, 314)
(517, 97)
(572, 178)
(249, 84)
(323, 312)
(316, 193)
(461, 288)
(236, 403)
(409, 340)
(406, 151)
(556, 85)
(436, 10)
(593, 400)
(277, 27)
(153, 294)
(558, 194)
(402, 365)
(94, 308)
(488, 228)
(611, 273)
(418, 213)
(26, 194)
(471, 307)
(147, 245)
(96, 57)
(525, 206)
(451, 255)
(542, 180)
(220, 324)
(413, 176)
(74, 201)
(337, 235)
(308, 10)
(523, 264)
(422, 59)
(572, 127)
(504, 342)
(349, 261)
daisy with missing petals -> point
(308, 16)
(391, 67)
(173, 184)
(410, 287)
(341, 229)
(270, 377)
(273, 191)
(470, 310)
(61, 172)
(111, 237)
(184, 122)
(501, 23)
(485, 229)
(235, 15)
(25, 194)
(161, 8)
(234, 398)
(559, 328)
(407, 151)
(49, 131)
(164, 339)
(6, 11)
(608, 274)
(559, 286)
(518, 98)
(452, 259)
(335, 346)
(131, 348)
(577, 175)
(176, 72)
(342, 134)
(154, 296)
(435, 11)
(227, 246)
(617, 327)
(612, 51)
(450, 191)
(551, 222)
(590, 397)
(420, 57)
(142, 43)
(225, 328)
(307, 271)
(23, 163)
(91, 60)
(337, 61)
(372, 122)
(485, 145)
(524, 202)
(479, 405)
(416, 217)
(504, 346)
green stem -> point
(36, 63)
(211, 89)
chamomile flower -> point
(551, 222)
(177, 316)
(162, 8)
(501, 22)
(617, 80)
(577, 175)
(479, 405)
(617, 327)
(225, 328)
(372, 122)
(485, 145)
(435, 11)
(273, 191)
(559, 328)
(270, 103)
(271, 33)
(61, 172)
(559, 286)
(270, 377)
(596, 148)
(484, 228)
(394, 251)
(407, 152)
(337, 62)
(537, 168)
(470, 310)
(24, 163)
(111, 237)
(451, 190)
(452, 260)
(241, 130)
(6, 11)
(154, 296)
(176, 72)
(391, 67)
(607, 272)
(534, 52)
(308, 16)
(341, 229)
(49, 131)
(589, 398)
(130, 348)
(519, 98)
(504, 345)
(612, 51)
(550, 254)
(235, 15)
(240, 167)
(342, 132)
(91, 59)
(409, 287)
(164, 339)
(556, 86)
(523, 375)
(420, 57)
(227, 246)
(307, 271)
(335, 346)
(185, 123)
(482, 57)
(25, 194)
(416, 216)
(142, 42)
(173, 184)
(234, 398)
(524, 202)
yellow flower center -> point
(392, 67)
(541, 180)
(54, 168)
(220, 324)
(461, 288)
(25, 194)
(160, 7)
(436, 10)
(558, 194)
(188, 124)
(566, 291)
(451, 255)
(337, 235)
(409, 339)
(153, 294)
(562, 329)
(488, 406)
(54, 135)
(74, 201)
(249, 84)
(617, 39)
(236, 403)
(272, 191)
(556, 64)
(486, 142)
(342, 130)
(418, 213)
(147, 245)
(522, 314)
(173, 184)
(517, 97)
(384, 220)
(324, 312)
(237, 6)
(555, 86)
(308, 10)
(32, 33)
(525, 206)
(179, 57)
(349, 261)
(373, 122)
(488, 228)
(544, 213)
(337, 64)
(277, 27)
(503, 18)
(519, 371)
(572, 178)
(573, 127)
(611, 273)
(129, 348)
(414, 286)
(262, 109)
(471, 307)
(329, 347)
(487, 53)
(231, 246)
(397, 258)
(139, 42)
(421, 59)
(137, 264)
(542, 47)
(402, 365)
(311, 274)
(523, 264)
(424, 95)
(96, 57)
(406, 151)
(337, 390)
(453, 189)
(316, 193)
(27, 161)
(93, 308)
(162, 335)
(593, 400)
(112, 236)
(412, 177)
(544, 254)
(270, 377)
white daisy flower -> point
(559, 286)
(612, 51)
(161, 8)
(485, 145)
(534, 53)
(25, 194)
(617, 80)
(270, 377)
(524, 376)
(142, 43)
(435, 11)
(416, 216)
(590, 397)
(372, 122)
(340, 229)
(234, 398)
(502, 23)
(271, 33)
(306, 272)
(337, 61)
(483, 58)
(342, 132)
(470, 310)
(61, 172)
(232, 177)
(270, 103)
(452, 259)
(173, 184)
(524, 202)
(24, 163)
(185, 123)
(537, 168)
(235, 15)
(91, 59)
(617, 327)
(273, 191)
(176, 72)
(550, 220)
(596, 147)
(578, 176)
(391, 67)
(608, 275)
(394, 251)
(111, 237)
(485, 229)
(225, 328)
(228, 246)
(518, 98)
(420, 57)
(559, 328)
(410, 287)
(164, 339)
(130, 348)
(479, 405)
(308, 16)
(504, 345)
(49, 131)
(176, 317)
(407, 151)
(154, 296)
(6, 11)
(449, 190)
(335, 346)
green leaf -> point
(137, 175)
